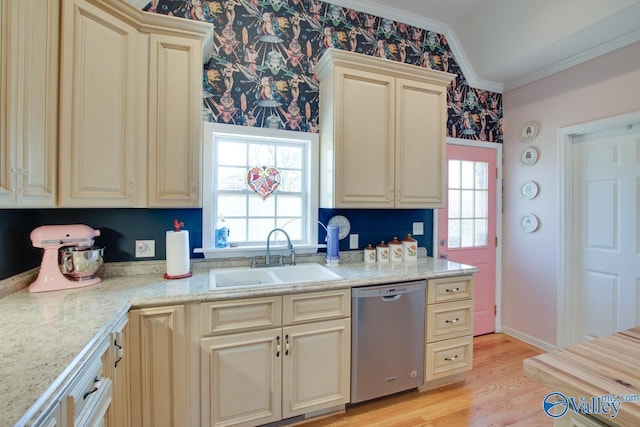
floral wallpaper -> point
(261, 73)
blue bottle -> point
(221, 235)
(333, 255)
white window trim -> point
(208, 224)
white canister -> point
(409, 248)
(382, 252)
(395, 249)
(369, 254)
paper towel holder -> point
(177, 225)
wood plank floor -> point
(495, 393)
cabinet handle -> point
(452, 321)
(278, 346)
(119, 352)
(452, 290)
(97, 382)
(286, 345)
(451, 359)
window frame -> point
(211, 131)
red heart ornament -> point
(264, 181)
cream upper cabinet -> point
(29, 49)
(131, 106)
(382, 133)
(420, 118)
(98, 115)
(175, 121)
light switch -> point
(418, 228)
(353, 241)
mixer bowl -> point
(80, 262)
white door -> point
(606, 214)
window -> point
(468, 204)
(259, 179)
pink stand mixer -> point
(70, 260)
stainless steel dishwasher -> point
(387, 339)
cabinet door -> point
(316, 366)
(364, 139)
(160, 367)
(119, 414)
(175, 121)
(97, 108)
(29, 106)
(420, 145)
(241, 378)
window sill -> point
(251, 251)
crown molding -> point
(426, 24)
(602, 49)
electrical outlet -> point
(353, 241)
(418, 228)
(145, 248)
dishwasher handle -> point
(389, 292)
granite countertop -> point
(45, 337)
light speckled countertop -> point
(45, 337)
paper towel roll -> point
(178, 253)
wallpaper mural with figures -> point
(261, 72)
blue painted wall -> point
(120, 228)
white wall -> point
(603, 87)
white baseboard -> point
(543, 345)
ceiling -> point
(504, 44)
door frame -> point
(567, 291)
(498, 285)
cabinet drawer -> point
(91, 390)
(222, 317)
(449, 320)
(302, 308)
(449, 289)
(448, 357)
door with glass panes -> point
(467, 226)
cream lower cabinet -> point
(449, 330)
(29, 49)
(382, 135)
(117, 361)
(163, 373)
(256, 377)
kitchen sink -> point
(288, 274)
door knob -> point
(444, 256)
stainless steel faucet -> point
(267, 261)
